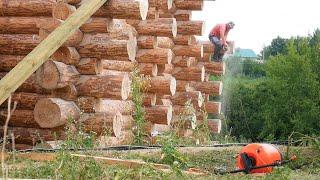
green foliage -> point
(278, 46)
(269, 101)
(138, 85)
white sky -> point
(259, 21)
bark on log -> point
(7, 62)
(208, 47)
(24, 100)
(194, 5)
(182, 61)
(191, 50)
(19, 118)
(183, 110)
(87, 104)
(181, 98)
(108, 46)
(67, 55)
(214, 67)
(213, 107)
(20, 25)
(55, 112)
(182, 86)
(46, 27)
(110, 106)
(96, 25)
(165, 69)
(52, 75)
(194, 73)
(153, 13)
(30, 85)
(68, 93)
(162, 85)
(62, 10)
(18, 44)
(183, 15)
(103, 123)
(124, 9)
(213, 88)
(149, 99)
(128, 123)
(148, 69)
(165, 42)
(156, 56)
(31, 136)
(147, 42)
(105, 86)
(206, 57)
(215, 125)
(88, 66)
(191, 27)
(159, 114)
(161, 4)
(182, 40)
(26, 8)
(124, 66)
(166, 27)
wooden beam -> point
(46, 48)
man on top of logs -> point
(218, 37)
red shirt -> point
(220, 31)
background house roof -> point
(245, 53)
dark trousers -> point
(218, 46)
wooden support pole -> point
(46, 48)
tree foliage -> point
(282, 97)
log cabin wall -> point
(88, 78)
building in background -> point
(244, 54)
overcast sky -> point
(259, 21)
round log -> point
(193, 5)
(67, 55)
(32, 136)
(102, 123)
(166, 27)
(181, 98)
(215, 125)
(62, 10)
(165, 42)
(105, 86)
(108, 46)
(124, 9)
(161, 4)
(111, 106)
(96, 25)
(213, 88)
(165, 69)
(24, 100)
(19, 118)
(162, 85)
(87, 104)
(20, 25)
(213, 107)
(18, 44)
(68, 93)
(26, 8)
(149, 99)
(7, 62)
(182, 61)
(53, 75)
(206, 57)
(55, 112)
(182, 40)
(195, 50)
(148, 69)
(153, 13)
(182, 86)
(194, 73)
(156, 56)
(183, 15)
(124, 66)
(159, 114)
(208, 47)
(147, 42)
(191, 27)
(88, 66)
(214, 67)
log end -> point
(169, 114)
(62, 10)
(117, 124)
(203, 73)
(144, 7)
(48, 75)
(132, 48)
(220, 88)
(126, 87)
(215, 125)
(170, 56)
(174, 28)
(200, 99)
(201, 51)
(170, 4)
(54, 112)
(173, 86)
(154, 70)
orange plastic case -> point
(260, 154)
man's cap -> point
(231, 24)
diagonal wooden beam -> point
(46, 48)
